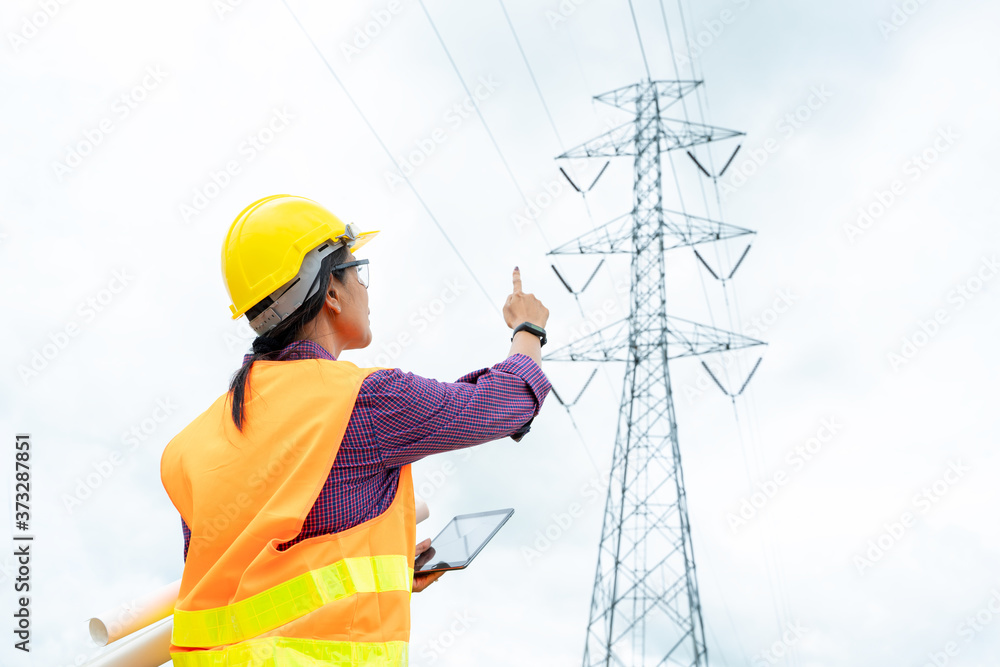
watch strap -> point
(533, 328)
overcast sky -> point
(133, 133)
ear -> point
(334, 295)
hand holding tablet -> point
(460, 541)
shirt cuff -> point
(531, 372)
(519, 433)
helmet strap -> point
(283, 301)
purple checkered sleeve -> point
(399, 418)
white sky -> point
(165, 337)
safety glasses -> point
(362, 265)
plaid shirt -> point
(400, 418)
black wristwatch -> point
(533, 328)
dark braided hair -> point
(267, 346)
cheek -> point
(362, 319)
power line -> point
(638, 593)
(771, 560)
(683, 210)
(530, 71)
(562, 146)
(505, 162)
(638, 35)
(552, 123)
(385, 148)
(475, 105)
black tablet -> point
(460, 541)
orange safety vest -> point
(340, 599)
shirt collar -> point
(300, 349)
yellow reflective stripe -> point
(290, 600)
(294, 652)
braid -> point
(265, 346)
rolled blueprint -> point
(422, 510)
(151, 648)
(148, 648)
(134, 615)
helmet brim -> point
(362, 239)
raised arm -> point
(414, 416)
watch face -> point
(533, 328)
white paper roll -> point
(150, 648)
(129, 617)
(155, 611)
(422, 510)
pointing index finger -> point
(517, 280)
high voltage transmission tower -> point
(645, 608)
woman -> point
(294, 487)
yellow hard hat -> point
(267, 242)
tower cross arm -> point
(685, 338)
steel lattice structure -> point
(645, 608)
